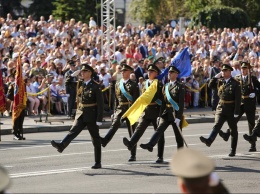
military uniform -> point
(37, 71)
(71, 89)
(229, 105)
(248, 103)
(151, 113)
(121, 106)
(90, 111)
(169, 115)
(18, 123)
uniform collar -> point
(86, 83)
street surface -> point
(36, 167)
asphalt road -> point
(36, 167)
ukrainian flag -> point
(135, 111)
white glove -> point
(251, 95)
(68, 95)
(177, 121)
(236, 116)
(98, 123)
(75, 74)
(158, 119)
(214, 179)
(218, 75)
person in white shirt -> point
(34, 101)
(236, 68)
(92, 23)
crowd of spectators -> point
(47, 45)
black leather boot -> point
(147, 147)
(160, 146)
(105, 140)
(233, 147)
(252, 148)
(206, 141)
(133, 155)
(97, 153)
(58, 146)
(128, 144)
(225, 136)
(250, 138)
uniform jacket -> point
(152, 112)
(230, 91)
(90, 94)
(177, 92)
(248, 87)
(70, 82)
(34, 71)
(10, 92)
(132, 88)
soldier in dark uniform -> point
(214, 92)
(71, 89)
(228, 107)
(173, 93)
(151, 113)
(18, 123)
(255, 133)
(89, 113)
(127, 92)
(248, 84)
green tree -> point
(158, 11)
(251, 7)
(220, 17)
(77, 9)
(40, 8)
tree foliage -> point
(220, 17)
(40, 8)
(158, 11)
(251, 7)
(79, 9)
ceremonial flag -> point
(19, 91)
(182, 62)
(2, 94)
(135, 111)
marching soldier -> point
(127, 92)
(89, 113)
(71, 89)
(151, 114)
(228, 107)
(248, 84)
(172, 110)
(18, 123)
(255, 133)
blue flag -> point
(182, 62)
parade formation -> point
(156, 93)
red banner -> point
(19, 91)
(2, 94)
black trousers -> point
(140, 129)
(93, 129)
(220, 119)
(163, 125)
(114, 127)
(250, 115)
(18, 124)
